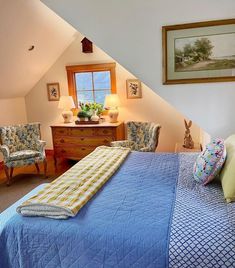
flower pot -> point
(82, 118)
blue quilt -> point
(151, 213)
(126, 224)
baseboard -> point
(49, 152)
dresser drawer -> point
(73, 152)
(103, 131)
(96, 141)
(88, 141)
(60, 131)
(76, 132)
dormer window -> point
(91, 83)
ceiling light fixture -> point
(31, 48)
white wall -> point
(150, 108)
(153, 108)
(130, 31)
(22, 24)
(12, 111)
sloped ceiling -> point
(24, 23)
(130, 32)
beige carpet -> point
(21, 185)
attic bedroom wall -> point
(130, 32)
(150, 108)
(12, 111)
(32, 38)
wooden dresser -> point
(76, 141)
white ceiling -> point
(24, 23)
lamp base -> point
(68, 116)
(113, 115)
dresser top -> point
(103, 124)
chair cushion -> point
(24, 154)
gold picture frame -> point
(53, 91)
(200, 52)
(133, 89)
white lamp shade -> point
(66, 103)
(112, 101)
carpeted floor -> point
(22, 184)
(26, 178)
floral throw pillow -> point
(210, 161)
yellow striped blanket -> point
(66, 195)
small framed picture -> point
(133, 89)
(53, 91)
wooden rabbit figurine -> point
(188, 141)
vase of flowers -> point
(95, 117)
(90, 110)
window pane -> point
(83, 81)
(85, 96)
(100, 95)
(102, 80)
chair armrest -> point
(41, 145)
(123, 143)
(5, 151)
(146, 149)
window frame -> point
(73, 69)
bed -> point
(151, 213)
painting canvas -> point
(210, 52)
(199, 52)
(53, 91)
(133, 87)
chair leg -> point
(11, 172)
(6, 169)
(55, 163)
(37, 167)
(45, 167)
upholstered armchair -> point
(21, 146)
(141, 136)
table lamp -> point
(66, 103)
(112, 102)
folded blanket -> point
(65, 196)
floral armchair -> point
(141, 136)
(20, 146)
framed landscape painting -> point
(199, 52)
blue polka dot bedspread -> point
(151, 213)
